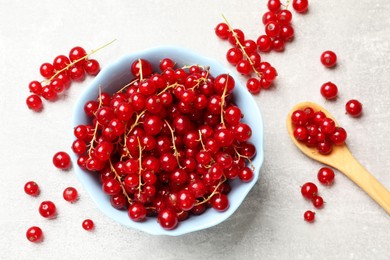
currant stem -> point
(223, 101)
(120, 182)
(173, 143)
(139, 165)
(213, 193)
(74, 62)
(242, 48)
(245, 157)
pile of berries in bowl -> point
(167, 141)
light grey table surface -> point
(269, 224)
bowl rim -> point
(213, 64)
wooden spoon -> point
(342, 159)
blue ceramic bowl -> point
(118, 74)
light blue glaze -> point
(113, 77)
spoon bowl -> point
(342, 159)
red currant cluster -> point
(48, 209)
(278, 27)
(166, 144)
(310, 191)
(329, 90)
(245, 57)
(317, 130)
(59, 75)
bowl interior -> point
(114, 77)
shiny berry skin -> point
(300, 133)
(34, 102)
(264, 43)
(35, 87)
(327, 126)
(284, 17)
(329, 90)
(185, 200)
(166, 63)
(309, 190)
(47, 209)
(300, 6)
(272, 29)
(47, 70)
(286, 32)
(234, 55)
(244, 67)
(49, 94)
(268, 17)
(222, 31)
(76, 73)
(223, 81)
(328, 59)
(299, 118)
(317, 201)
(137, 212)
(354, 108)
(325, 176)
(220, 202)
(245, 174)
(91, 67)
(270, 73)
(31, 188)
(141, 68)
(111, 187)
(61, 160)
(236, 35)
(339, 136)
(70, 194)
(77, 53)
(167, 218)
(60, 62)
(88, 224)
(34, 234)
(273, 5)
(309, 216)
(325, 147)
(253, 85)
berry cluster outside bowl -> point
(118, 74)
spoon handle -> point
(364, 179)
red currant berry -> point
(278, 45)
(268, 17)
(244, 67)
(223, 81)
(339, 136)
(326, 175)
(272, 29)
(264, 43)
(329, 90)
(111, 187)
(34, 102)
(222, 31)
(317, 201)
(309, 190)
(309, 216)
(91, 67)
(245, 174)
(286, 33)
(270, 74)
(354, 108)
(61, 160)
(300, 6)
(70, 194)
(31, 188)
(76, 73)
(35, 87)
(220, 202)
(137, 212)
(34, 234)
(253, 85)
(49, 94)
(327, 126)
(236, 35)
(167, 218)
(299, 118)
(234, 55)
(47, 209)
(77, 54)
(328, 59)
(325, 147)
(88, 224)
(284, 17)
(273, 5)
(301, 133)
(60, 62)
(141, 68)
(46, 70)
